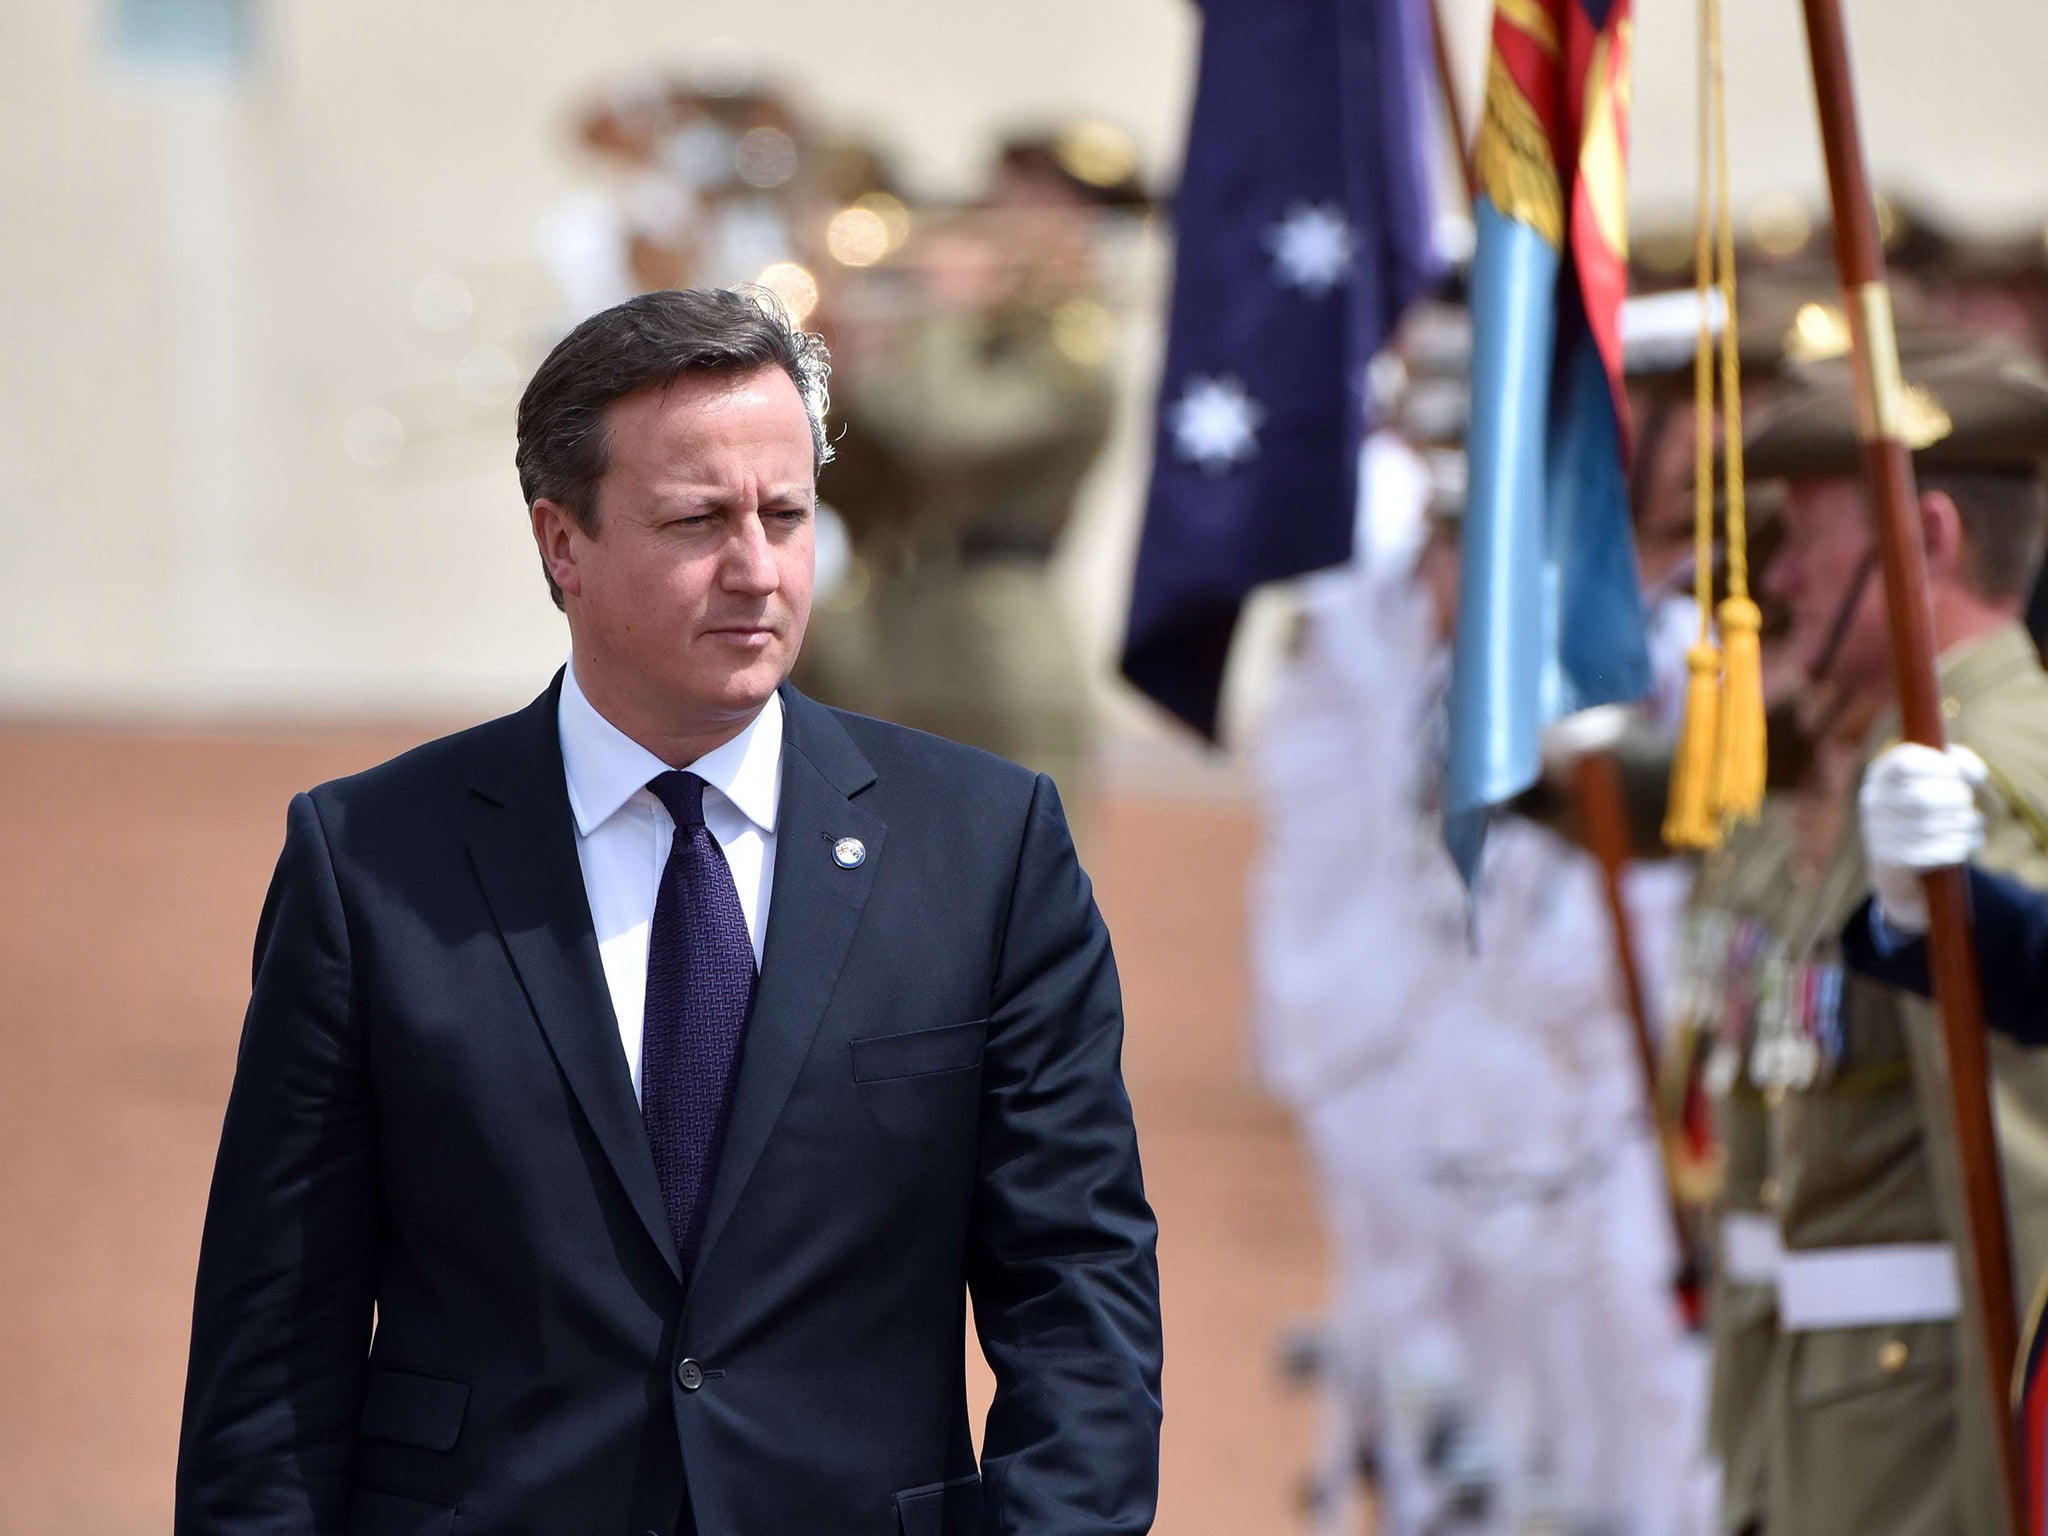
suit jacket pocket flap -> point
(387, 1514)
(949, 1048)
(941, 1509)
(1846, 1362)
(413, 1410)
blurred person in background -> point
(1878, 1420)
(1504, 1340)
(975, 378)
(1731, 984)
(1730, 952)
(694, 186)
(635, 1089)
(979, 383)
(1736, 904)
(1660, 332)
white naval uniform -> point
(1477, 1121)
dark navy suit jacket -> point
(432, 1122)
(2011, 922)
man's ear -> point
(555, 531)
(1941, 526)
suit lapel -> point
(523, 842)
(814, 908)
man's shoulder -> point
(1998, 697)
(2002, 716)
(2007, 725)
(423, 779)
(904, 754)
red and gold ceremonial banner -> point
(1550, 615)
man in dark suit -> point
(664, 1066)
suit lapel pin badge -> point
(849, 853)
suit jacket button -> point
(689, 1375)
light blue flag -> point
(1550, 615)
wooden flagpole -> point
(1454, 116)
(1894, 509)
(1603, 816)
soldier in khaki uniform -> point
(1731, 975)
(983, 401)
(992, 427)
(1879, 1409)
(1730, 950)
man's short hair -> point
(648, 341)
(2004, 516)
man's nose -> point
(749, 562)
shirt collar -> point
(605, 766)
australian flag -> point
(1550, 615)
(1303, 230)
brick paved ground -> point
(131, 867)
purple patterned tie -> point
(700, 986)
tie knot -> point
(682, 793)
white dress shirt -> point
(623, 835)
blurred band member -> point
(1503, 1333)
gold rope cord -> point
(1739, 762)
(1689, 820)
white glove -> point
(1919, 812)
(1569, 738)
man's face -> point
(1827, 542)
(691, 599)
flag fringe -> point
(1513, 160)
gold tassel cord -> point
(1718, 776)
(1739, 766)
(1740, 756)
(1690, 820)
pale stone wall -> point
(201, 288)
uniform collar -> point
(1966, 672)
(604, 765)
(1986, 662)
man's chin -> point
(742, 690)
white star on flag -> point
(1216, 424)
(1311, 248)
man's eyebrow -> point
(694, 500)
(802, 492)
